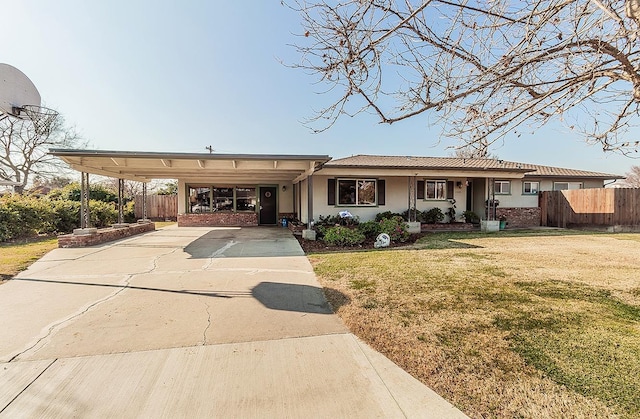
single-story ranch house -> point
(260, 189)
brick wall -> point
(104, 235)
(218, 219)
(520, 217)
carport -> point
(213, 189)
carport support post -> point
(310, 202)
(309, 233)
(84, 201)
(144, 201)
(120, 201)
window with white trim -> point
(436, 189)
(357, 192)
(530, 188)
(563, 186)
(502, 187)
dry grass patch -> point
(16, 257)
(522, 326)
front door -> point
(268, 210)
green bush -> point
(343, 236)
(102, 214)
(73, 192)
(434, 215)
(24, 216)
(395, 227)
(385, 215)
(130, 212)
(66, 215)
(471, 217)
(370, 228)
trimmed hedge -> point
(25, 216)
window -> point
(199, 199)
(223, 199)
(210, 199)
(246, 199)
(357, 192)
(502, 187)
(563, 186)
(436, 189)
(530, 188)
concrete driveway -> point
(190, 322)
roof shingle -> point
(532, 170)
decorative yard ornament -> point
(383, 240)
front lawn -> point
(17, 256)
(527, 324)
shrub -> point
(102, 214)
(434, 215)
(395, 227)
(343, 236)
(471, 217)
(23, 216)
(129, 212)
(73, 192)
(370, 228)
(66, 215)
(385, 215)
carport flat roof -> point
(206, 167)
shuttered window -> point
(331, 191)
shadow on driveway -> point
(292, 297)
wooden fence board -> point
(597, 207)
(158, 207)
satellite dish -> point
(19, 98)
(16, 91)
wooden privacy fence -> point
(591, 207)
(158, 207)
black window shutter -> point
(420, 187)
(381, 192)
(449, 189)
(331, 191)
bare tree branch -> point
(484, 68)
(24, 151)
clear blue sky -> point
(178, 76)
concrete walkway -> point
(190, 322)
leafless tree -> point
(632, 178)
(484, 69)
(24, 151)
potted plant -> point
(503, 221)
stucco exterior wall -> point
(518, 199)
(396, 199)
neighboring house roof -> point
(457, 163)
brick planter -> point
(296, 229)
(242, 219)
(104, 235)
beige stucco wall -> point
(517, 199)
(396, 199)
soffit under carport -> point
(209, 167)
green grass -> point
(459, 239)
(512, 325)
(16, 257)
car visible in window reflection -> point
(200, 208)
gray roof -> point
(453, 163)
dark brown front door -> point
(268, 210)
